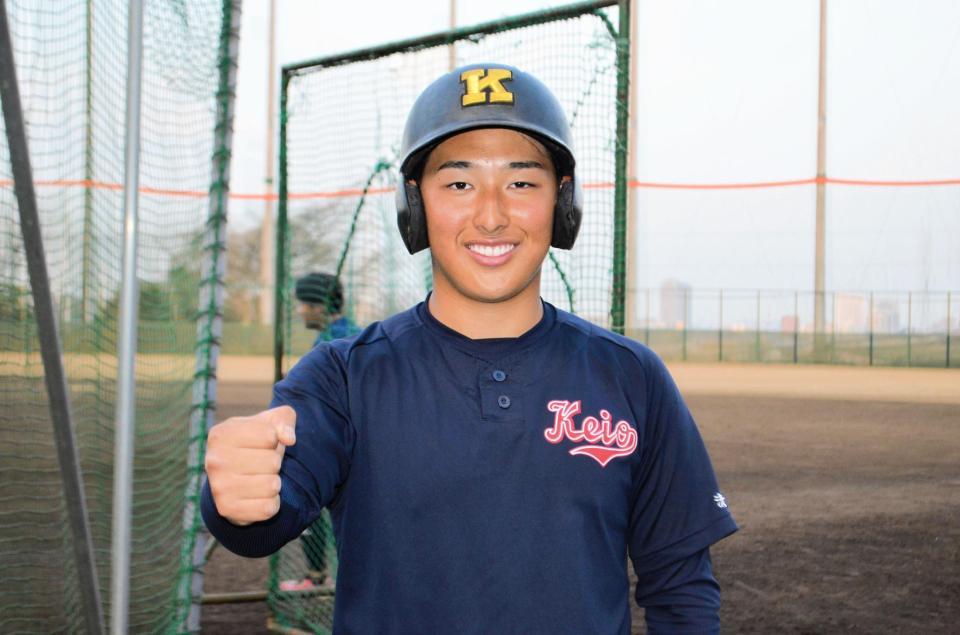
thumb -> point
(285, 422)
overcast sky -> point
(726, 92)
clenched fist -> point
(243, 463)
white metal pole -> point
(126, 398)
(267, 257)
(820, 226)
(452, 48)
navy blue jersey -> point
(492, 486)
(339, 328)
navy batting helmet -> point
(486, 96)
(320, 288)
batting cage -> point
(342, 118)
(71, 68)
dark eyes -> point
(461, 185)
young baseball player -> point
(489, 461)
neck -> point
(486, 320)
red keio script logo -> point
(604, 441)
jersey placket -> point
(501, 396)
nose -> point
(491, 216)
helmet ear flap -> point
(411, 218)
(567, 214)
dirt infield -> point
(923, 385)
(849, 508)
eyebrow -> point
(513, 165)
(460, 165)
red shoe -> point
(305, 584)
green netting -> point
(341, 125)
(71, 64)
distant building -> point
(886, 316)
(675, 304)
(850, 313)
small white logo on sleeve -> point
(720, 500)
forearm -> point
(683, 597)
(255, 540)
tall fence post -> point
(720, 331)
(833, 327)
(909, 328)
(949, 325)
(796, 327)
(756, 336)
(646, 333)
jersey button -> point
(499, 375)
(503, 401)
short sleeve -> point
(678, 508)
(316, 466)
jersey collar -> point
(493, 347)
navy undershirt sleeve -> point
(313, 469)
(255, 540)
(678, 509)
(318, 463)
(682, 597)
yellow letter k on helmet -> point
(483, 86)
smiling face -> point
(489, 196)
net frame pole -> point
(442, 38)
(280, 288)
(195, 548)
(618, 299)
(127, 345)
(86, 308)
(633, 193)
(54, 374)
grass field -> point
(845, 483)
(920, 349)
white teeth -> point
(490, 250)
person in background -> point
(320, 298)
(320, 306)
